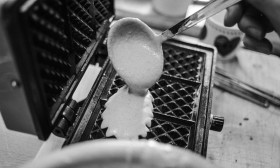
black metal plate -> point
(51, 43)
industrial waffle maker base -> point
(47, 46)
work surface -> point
(251, 134)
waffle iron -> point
(46, 48)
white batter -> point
(136, 55)
(127, 115)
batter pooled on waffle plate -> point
(136, 55)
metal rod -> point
(209, 10)
(273, 99)
(224, 85)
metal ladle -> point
(212, 8)
(129, 34)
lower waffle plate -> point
(182, 99)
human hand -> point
(255, 18)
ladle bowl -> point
(136, 53)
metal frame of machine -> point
(47, 46)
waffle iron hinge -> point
(67, 119)
(71, 109)
(96, 54)
(74, 106)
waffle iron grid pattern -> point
(60, 33)
(171, 98)
(82, 26)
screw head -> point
(15, 84)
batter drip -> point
(127, 114)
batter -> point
(136, 55)
(127, 115)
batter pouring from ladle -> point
(136, 54)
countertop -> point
(251, 134)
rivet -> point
(15, 84)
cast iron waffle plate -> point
(173, 112)
(63, 33)
(175, 95)
(181, 99)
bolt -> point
(15, 84)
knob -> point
(217, 123)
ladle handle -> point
(209, 10)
